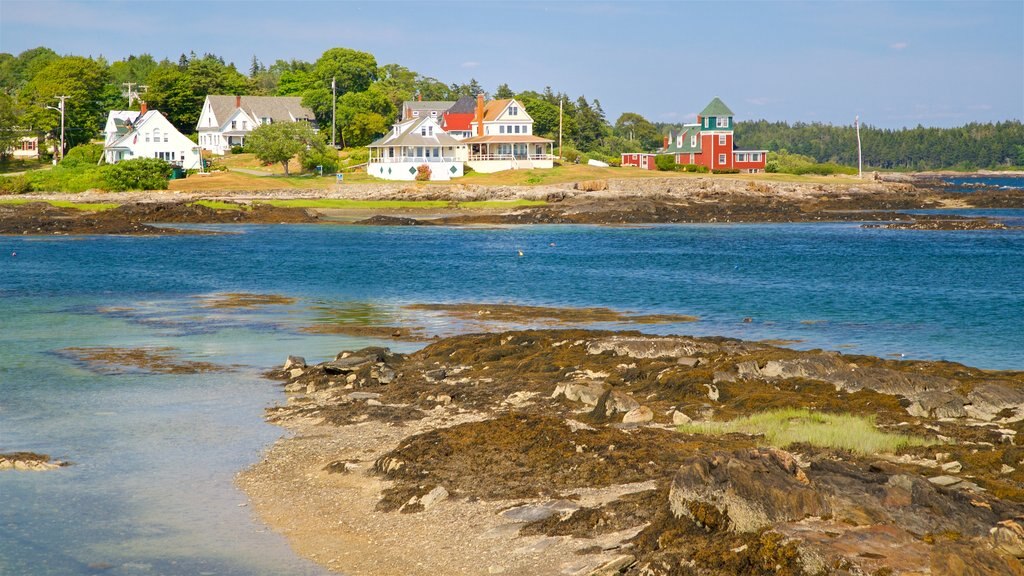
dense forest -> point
(369, 96)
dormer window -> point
(433, 113)
(415, 113)
(722, 122)
(679, 142)
(693, 141)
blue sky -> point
(893, 63)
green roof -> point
(687, 132)
(716, 108)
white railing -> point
(512, 156)
(419, 159)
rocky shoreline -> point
(581, 452)
(611, 202)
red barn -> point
(710, 143)
(639, 160)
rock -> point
(638, 415)
(431, 498)
(1008, 536)
(678, 418)
(294, 362)
(373, 402)
(1006, 469)
(535, 512)
(519, 399)
(614, 566)
(29, 461)
(435, 375)
(295, 387)
(945, 481)
(586, 392)
(712, 392)
(362, 395)
(651, 346)
(386, 375)
(296, 372)
(953, 467)
(347, 365)
(443, 399)
(989, 399)
(749, 490)
(689, 361)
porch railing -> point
(419, 159)
(512, 157)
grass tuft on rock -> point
(789, 426)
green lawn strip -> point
(789, 426)
(90, 206)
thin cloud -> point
(758, 101)
(899, 45)
(470, 64)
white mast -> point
(860, 163)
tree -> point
(138, 174)
(15, 72)
(9, 133)
(80, 79)
(362, 116)
(134, 69)
(353, 70)
(544, 114)
(635, 127)
(503, 92)
(280, 142)
(180, 94)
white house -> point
(226, 120)
(27, 148)
(147, 134)
(413, 143)
(504, 140)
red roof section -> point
(457, 121)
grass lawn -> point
(22, 165)
(789, 426)
(90, 206)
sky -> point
(893, 64)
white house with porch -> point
(413, 143)
(146, 133)
(504, 139)
(226, 120)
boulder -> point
(347, 364)
(678, 418)
(431, 498)
(751, 490)
(435, 375)
(586, 392)
(614, 566)
(988, 400)
(294, 362)
(1008, 536)
(653, 346)
(638, 415)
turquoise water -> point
(151, 490)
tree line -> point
(369, 98)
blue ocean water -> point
(151, 490)
(972, 183)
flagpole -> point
(334, 107)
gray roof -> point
(408, 134)
(464, 105)
(427, 104)
(279, 108)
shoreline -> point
(459, 459)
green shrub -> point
(138, 174)
(83, 154)
(665, 162)
(572, 155)
(356, 156)
(237, 150)
(74, 176)
(15, 185)
(423, 173)
(725, 171)
(322, 155)
(700, 168)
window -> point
(706, 123)
(501, 129)
(679, 142)
(415, 113)
(423, 130)
(513, 110)
(234, 124)
(526, 129)
(517, 129)
(721, 139)
(245, 124)
(721, 159)
(741, 157)
(209, 121)
(166, 136)
(433, 113)
(693, 141)
(722, 122)
(755, 157)
(147, 136)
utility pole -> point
(131, 95)
(334, 107)
(560, 100)
(60, 108)
(860, 163)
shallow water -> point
(151, 489)
(972, 183)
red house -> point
(639, 160)
(710, 143)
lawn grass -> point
(89, 206)
(789, 426)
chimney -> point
(480, 114)
(666, 142)
(144, 108)
(419, 96)
(238, 101)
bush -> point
(83, 154)
(138, 174)
(15, 185)
(423, 173)
(699, 168)
(356, 156)
(237, 150)
(724, 170)
(665, 162)
(321, 155)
